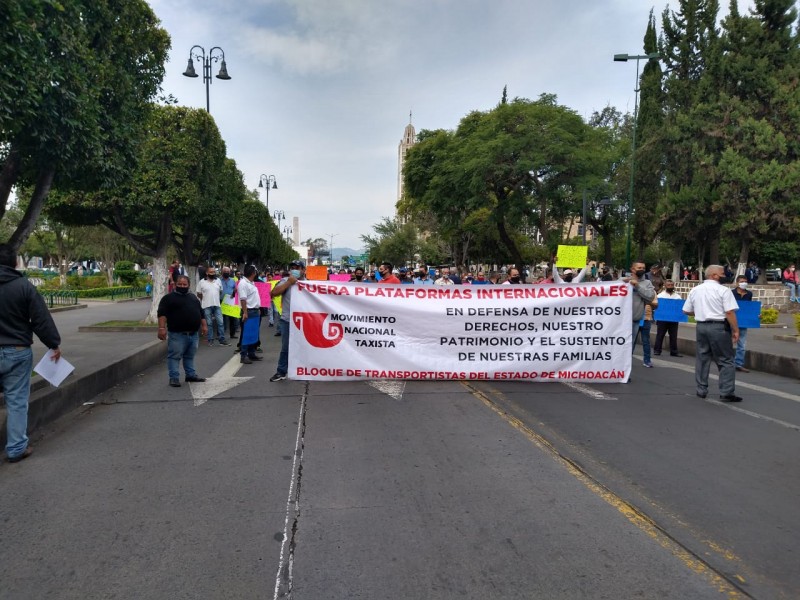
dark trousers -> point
(232, 324)
(714, 345)
(663, 328)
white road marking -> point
(391, 388)
(219, 382)
(743, 384)
(592, 393)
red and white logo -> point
(318, 330)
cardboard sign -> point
(670, 311)
(340, 277)
(572, 256)
(317, 273)
(748, 315)
(264, 290)
(230, 307)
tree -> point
(512, 168)
(90, 69)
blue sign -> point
(748, 315)
(670, 311)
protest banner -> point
(749, 315)
(670, 311)
(347, 331)
(340, 277)
(572, 256)
(317, 273)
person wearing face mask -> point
(387, 276)
(358, 276)
(180, 316)
(284, 290)
(667, 327)
(480, 279)
(742, 294)
(717, 330)
(642, 294)
(423, 276)
(790, 280)
(513, 277)
(209, 290)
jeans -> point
(792, 290)
(635, 334)
(714, 344)
(15, 373)
(741, 347)
(181, 346)
(214, 317)
(283, 359)
(645, 330)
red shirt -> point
(390, 279)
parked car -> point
(773, 275)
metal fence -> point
(127, 292)
(60, 298)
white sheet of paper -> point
(228, 299)
(52, 371)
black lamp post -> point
(637, 58)
(206, 63)
(279, 216)
(604, 202)
(288, 231)
(267, 179)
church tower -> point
(409, 139)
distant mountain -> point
(338, 253)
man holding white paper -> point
(22, 313)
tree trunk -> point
(160, 282)
(676, 265)
(701, 252)
(713, 251)
(744, 255)
(43, 183)
(8, 177)
(513, 251)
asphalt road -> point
(409, 490)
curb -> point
(48, 404)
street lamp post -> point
(206, 63)
(279, 216)
(267, 179)
(288, 231)
(626, 58)
(330, 250)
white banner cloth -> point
(347, 331)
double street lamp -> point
(206, 64)
(288, 231)
(637, 58)
(279, 216)
(263, 182)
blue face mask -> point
(295, 273)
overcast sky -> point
(321, 90)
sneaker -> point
(742, 369)
(255, 357)
(259, 350)
(272, 324)
(195, 379)
(224, 343)
(277, 334)
(245, 361)
(277, 377)
(649, 365)
(210, 343)
(174, 383)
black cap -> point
(296, 263)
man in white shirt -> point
(714, 309)
(209, 291)
(251, 310)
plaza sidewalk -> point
(103, 359)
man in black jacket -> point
(22, 313)
(179, 313)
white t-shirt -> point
(211, 290)
(709, 301)
(249, 293)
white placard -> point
(53, 371)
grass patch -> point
(126, 324)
